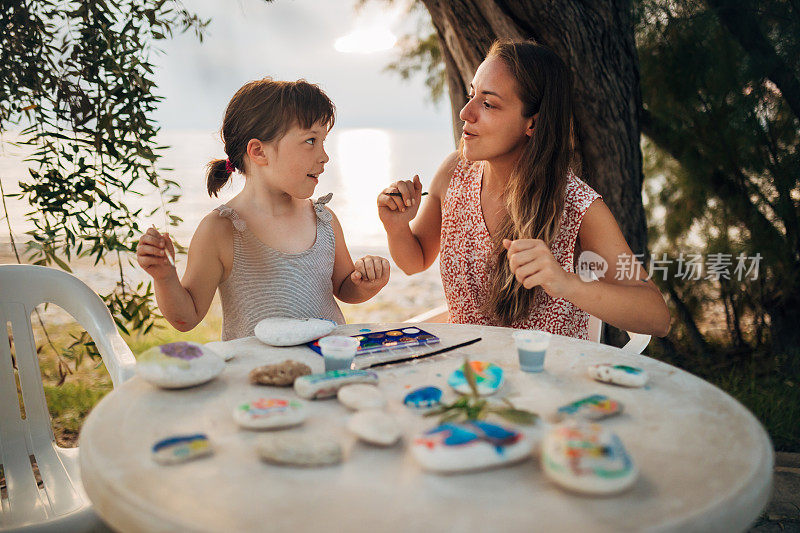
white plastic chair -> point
(61, 503)
(637, 343)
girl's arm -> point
(415, 248)
(356, 283)
(185, 302)
(632, 303)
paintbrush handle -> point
(422, 356)
(401, 194)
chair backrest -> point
(22, 288)
(595, 328)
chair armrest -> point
(427, 315)
(117, 356)
(638, 342)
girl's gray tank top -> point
(266, 283)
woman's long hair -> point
(534, 193)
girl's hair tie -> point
(229, 168)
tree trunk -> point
(785, 333)
(596, 40)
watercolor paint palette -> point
(388, 345)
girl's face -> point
(298, 158)
(494, 127)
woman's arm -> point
(185, 302)
(632, 303)
(356, 283)
(415, 247)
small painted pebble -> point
(594, 407)
(462, 447)
(375, 427)
(587, 458)
(488, 378)
(300, 449)
(627, 376)
(319, 386)
(280, 374)
(360, 396)
(423, 397)
(270, 413)
(278, 331)
(181, 448)
(178, 365)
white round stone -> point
(587, 458)
(178, 365)
(279, 331)
(627, 376)
(320, 386)
(374, 427)
(270, 413)
(359, 396)
(462, 447)
(218, 347)
(300, 449)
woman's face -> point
(494, 127)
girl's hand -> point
(372, 272)
(532, 263)
(151, 254)
(400, 210)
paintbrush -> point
(401, 194)
(169, 255)
(424, 355)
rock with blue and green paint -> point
(627, 376)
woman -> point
(510, 218)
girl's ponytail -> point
(218, 171)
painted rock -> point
(279, 331)
(587, 458)
(280, 374)
(488, 377)
(318, 386)
(594, 407)
(375, 427)
(181, 448)
(628, 376)
(460, 447)
(299, 450)
(179, 364)
(423, 397)
(270, 413)
(361, 396)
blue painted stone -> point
(181, 448)
(488, 378)
(423, 397)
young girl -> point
(270, 251)
(510, 217)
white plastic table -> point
(705, 461)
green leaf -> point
(517, 416)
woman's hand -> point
(151, 254)
(532, 263)
(371, 273)
(400, 210)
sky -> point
(291, 39)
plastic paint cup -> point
(338, 351)
(531, 348)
